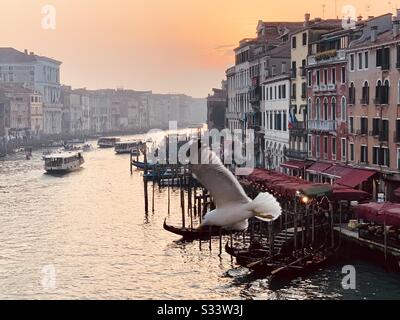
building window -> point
(293, 90)
(325, 109)
(366, 60)
(352, 65)
(398, 91)
(385, 94)
(309, 78)
(364, 154)
(304, 39)
(326, 77)
(352, 152)
(344, 109)
(333, 148)
(364, 126)
(318, 78)
(333, 76)
(352, 94)
(309, 145)
(397, 133)
(360, 61)
(343, 75)
(384, 134)
(380, 156)
(398, 159)
(344, 150)
(318, 145)
(383, 58)
(375, 126)
(333, 109)
(351, 125)
(318, 109)
(294, 42)
(325, 147)
(284, 121)
(365, 94)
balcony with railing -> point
(298, 129)
(296, 154)
(322, 125)
(329, 56)
(302, 72)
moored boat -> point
(195, 234)
(132, 147)
(63, 162)
(107, 142)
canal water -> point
(85, 236)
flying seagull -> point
(233, 206)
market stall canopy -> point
(385, 212)
(318, 167)
(294, 164)
(355, 177)
(341, 193)
(337, 171)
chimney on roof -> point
(31, 53)
(26, 51)
(398, 14)
(318, 19)
(307, 17)
(370, 17)
(359, 18)
(396, 25)
(374, 33)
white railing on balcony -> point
(323, 87)
(339, 56)
(322, 125)
(332, 87)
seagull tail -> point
(265, 207)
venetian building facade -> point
(374, 115)
(300, 49)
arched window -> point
(344, 109)
(365, 93)
(326, 109)
(318, 109)
(333, 108)
(352, 94)
(385, 92)
(309, 109)
(378, 92)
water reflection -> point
(90, 225)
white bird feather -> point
(233, 206)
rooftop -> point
(11, 55)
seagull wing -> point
(218, 180)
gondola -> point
(141, 165)
(196, 234)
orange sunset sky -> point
(161, 45)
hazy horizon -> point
(170, 46)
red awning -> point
(355, 177)
(319, 167)
(294, 164)
(337, 171)
(381, 213)
(348, 194)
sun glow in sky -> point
(161, 45)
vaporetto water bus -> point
(128, 147)
(107, 142)
(63, 162)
